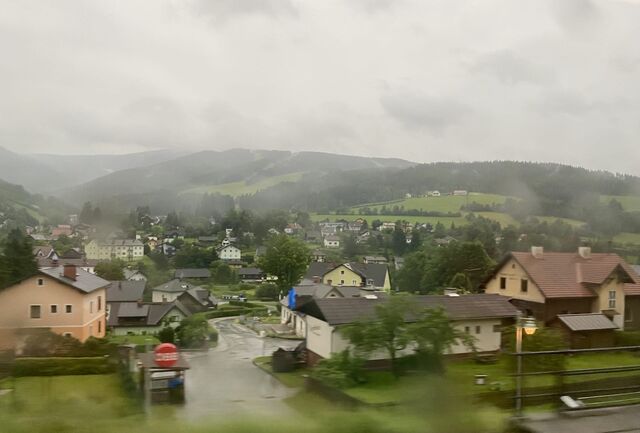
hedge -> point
(245, 304)
(62, 366)
(237, 312)
(627, 338)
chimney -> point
(537, 252)
(316, 279)
(70, 272)
(584, 252)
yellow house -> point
(371, 275)
(545, 284)
(66, 300)
(123, 249)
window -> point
(67, 334)
(478, 329)
(99, 326)
(99, 303)
(497, 328)
(68, 309)
(612, 299)
(91, 307)
(524, 285)
(40, 281)
(503, 283)
(54, 309)
(354, 283)
(34, 311)
(467, 329)
(341, 272)
(341, 282)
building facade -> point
(123, 249)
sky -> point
(424, 80)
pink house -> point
(66, 300)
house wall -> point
(632, 313)
(486, 333)
(99, 251)
(601, 303)
(174, 317)
(84, 321)
(319, 337)
(342, 276)
(230, 253)
(158, 296)
(514, 274)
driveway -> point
(224, 381)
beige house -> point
(372, 275)
(482, 316)
(123, 249)
(66, 300)
(548, 284)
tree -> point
(268, 291)
(112, 270)
(433, 334)
(387, 331)
(351, 248)
(399, 240)
(287, 259)
(411, 276)
(192, 256)
(460, 281)
(17, 260)
(223, 274)
(193, 331)
(86, 214)
(167, 335)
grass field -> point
(241, 188)
(448, 203)
(628, 202)
(552, 219)
(412, 219)
(627, 238)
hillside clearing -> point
(448, 203)
(242, 187)
(628, 202)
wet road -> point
(224, 381)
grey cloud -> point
(418, 111)
(510, 68)
(223, 9)
(576, 15)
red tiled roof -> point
(568, 275)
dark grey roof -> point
(250, 271)
(587, 322)
(125, 291)
(148, 313)
(128, 273)
(133, 309)
(85, 281)
(323, 290)
(173, 286)
(192, 273)
(318, 269)
(45, 262)
(340, 311)
(208, 238)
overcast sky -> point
(542, 80)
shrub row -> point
(62, 366)
(627, 338)
(245, 304)
(259, 311)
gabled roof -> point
(368, 271)
(125, 291)
(144, 313)
(342, 311)
(173, 286)
(85, 281)
(587, 322)
(128, 273)
(222, 247)
(192, 273)
(569, 275)
(251, 271)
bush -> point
(341, 370)
(543, 339)
(167, 335)
(268, 291)
(62, 366)
(48, 344)
(213, 334)
(627, 338)
(193, 331)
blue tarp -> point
(292, 299)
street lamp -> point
(528, 324)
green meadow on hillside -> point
(242, 187)
(628, 202)
(447, 203)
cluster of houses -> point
(588, 297)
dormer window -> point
(612, 299)
(40, 281)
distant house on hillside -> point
(331, 241)
(379, 260)
(123, 249)
(229, 252)
(251, 275)
(170, 291)
(318, 256)
(373, 276)
(145, 318)
(60, 230)
(192, 273)
(197, 300)
(133, 275)
(125, 291)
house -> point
(480, 315)
(318, 256)
(84, 264)
(331, 241)
(354, 227)
(251, 275)
(399, 262)
(197, 300)
(292, 228)
(380, 260)
(167, 249)
(73, 253)
(387, 226)
(44, 252)
(445, 240)
(169, 291)
(229, 252)
(433, 193)
(587, 330)
(546, 284)
(312, 236)
(152, 242)
(64, 299)
(363, 237)
(60, 230)
(305, 293)
(235, 264)
(260, 251)
(460, 192)
(144, 318)
(373, 276)
(133, 275)
(123, 249)
(207, 240)
(125, 291)
(193, 273)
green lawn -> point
(628, 202)
(240, 188)
(412, 219)
(133, 339)
(448, 203)
(552, 219)
(293, 379)
(627, 238)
